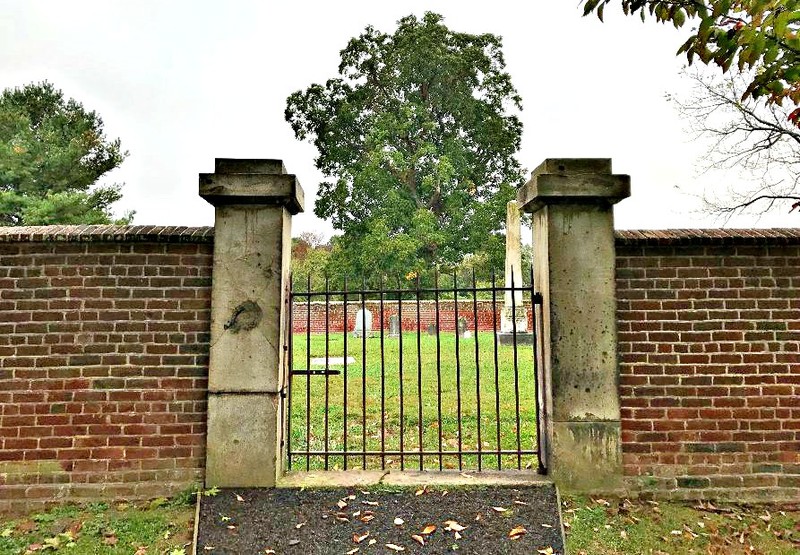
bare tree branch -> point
(756, 141)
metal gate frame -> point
(396, 294)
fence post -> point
(574, 260)
(254, 201)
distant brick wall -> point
(489, 315)
(709, 342)
(104, 336)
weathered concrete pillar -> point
(574, 259)
(255, 201)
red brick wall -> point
(103, 361)
(709, 343)
(427, 315)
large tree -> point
(52, 153)
(416, 137)
(753, 34)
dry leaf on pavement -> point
(517, 532)
(394, 547)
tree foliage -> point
(52, 152)
(753, 34)
(417, 140)
(754, 139)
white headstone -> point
(363, 322)
(513, 303)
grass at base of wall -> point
(158, 527)
(594, 527)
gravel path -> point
(371, 521)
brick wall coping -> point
(107, 233)
(708, 236)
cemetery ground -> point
(445, 391)
(593, 526)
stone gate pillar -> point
(254, 201)
(574, 260)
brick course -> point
(709, 346)
(103, 361)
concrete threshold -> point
(410, 478)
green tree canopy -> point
(417, 139)
(760, 34)
(52, 152)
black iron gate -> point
(415, 377)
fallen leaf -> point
(453, 526)
(623, 534)
(457, 536)
(341, 503)
(373, 541)
(359, 539)
(394, 547)
(269, 551)
(111, 540)
(445, 492)
(517, 532)
(294, 542)
(370, 503)
(354, 550)
(419, 539)
(300, 525)
(545, 551)
(342, 517)
(367, 516)
(142, 550)
(421, 491)
(398, 521)
(231, 527)
(428, 530)
(520, 502)
(465, 475)
(499, 509)
(239, 498)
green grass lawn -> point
(162, 527)
(374, 398)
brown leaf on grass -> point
(26, 526)
(111, 540)
(361, 538)
(421, 491)
(142, 550)
(395, 547)
(428, 530)
(517, 532)
(419, 539)
(367, 517)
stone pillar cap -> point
(574, 181)
(252, 181)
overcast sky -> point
(183, 82)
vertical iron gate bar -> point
(308, 375)
(438, 367)
(383, 389)
(327, 367)
(536, 371)
(400, 370)
(477, 367)
(344, 376)
(419, 378)
(363, 373)
(516, 367)
(496, 370)
(289, 377)
(458, 372)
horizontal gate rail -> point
(396, 396)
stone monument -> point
(514, 316)
(363, 323)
